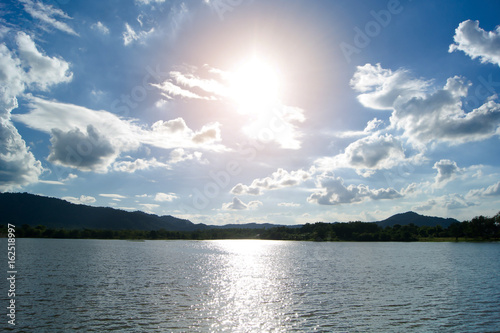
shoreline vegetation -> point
(480, 228)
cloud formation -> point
(43, 71)
(138, 164)
(48, 15)
(100, 27)
(446, 171)
(379, 88)
(426, 115)
(372, 126)
(28, 68)
(112, 195)
(170, 90)
(450, 202)
(18, 166)
(179, 155)
(130, 35)
(477, 43)
(147, 2)
(334, 192)
(490, 191)
(165, 197)
(84, 151)
(371, 153)
(237, 204)
(279, 179)
(176, 134)
(82, 200)
(69, 126)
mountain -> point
(417, 219)
(31, 209)
(25, 208)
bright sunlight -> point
(255, 86)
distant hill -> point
(417, 219)
(25, 208)
(33, 210)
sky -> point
(239, 111)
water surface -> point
(256, 286)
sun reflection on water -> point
(248, 291)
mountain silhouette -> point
(33, 210)
(417, 219)
(25, 208)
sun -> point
(255, 86)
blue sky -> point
(243, 111)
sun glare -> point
(254, 86)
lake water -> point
(254, 286)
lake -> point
(254, 286)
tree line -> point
(479, 228)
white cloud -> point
(279, 179)
(449, 201)
(367, 154)
(179, 155)
(380, 87)
(14, 79)
(100, 27)
(334, 192)
(27, 68)
(48, 14)
(171, 90)
(147, 2)
(130, 35)
(490, 191)
(18, 166)
(175, 134)
(207, 85)
(211, 88)
(69, 177)
(439, 117)
(237, 204)
(138, 164)
(149, 208)
(371, 127)
(43, 71)
(446, 171)
(126, 208)
(51, 182)
(58, 182)
(241, 189)
(110, 135)
(426, 114)
(47, 115)
(288, 204)
(82, 200)
(112, 195)
(165, 197)
(208, 133)
(477, 43)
